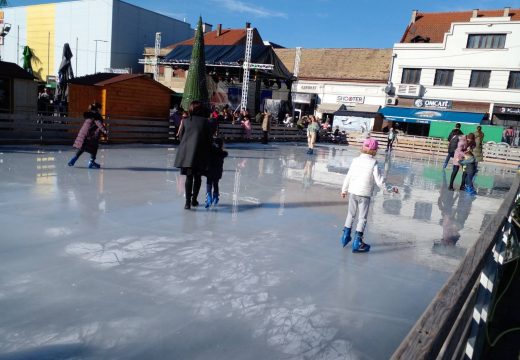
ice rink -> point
(108, 264)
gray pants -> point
(356, 202)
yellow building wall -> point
(40, 38)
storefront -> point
(508, 116)
(414, 121)
(304, 104)
(356, 118)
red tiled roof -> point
(435, 25)
(227, 37)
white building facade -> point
(102, 34)
(472, 67)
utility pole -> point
(18, 46)
(95, 56)
(297, 60)
(76, 56)
(49, 54)
(157, 53)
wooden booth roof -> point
(13, 70)
(103, 79)
(365, 65)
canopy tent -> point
(27, 58)
(231, 56)
(65, 74)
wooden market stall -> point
(121, 95)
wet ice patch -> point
(58, 231)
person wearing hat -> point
(359, 182)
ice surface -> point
(107, 263)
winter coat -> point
(470, 165)
(266, 123)
(216, 163)
(453, 139)
(478, 151)
(90, 132)
(193, 151)
(462, 146)
(362, 175)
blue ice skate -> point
(471, 191)
(359, 246)
(209, 200)
(345, 238)
(92, 164)
(215, 199)
(72, 161)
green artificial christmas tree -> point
(196, 88)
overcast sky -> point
(312, 23)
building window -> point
(411, 76)
(443, 77)
(479, 78)
(514, 80)
(486, 41)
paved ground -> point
(107, 263)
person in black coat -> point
(453, 140)
(214, 173)
(193, 152)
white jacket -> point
(362, 175)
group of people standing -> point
(465, 151)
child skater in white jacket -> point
(359, 182)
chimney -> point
(506, 11)
(206, 27)
(414, 16)
(219, 30)
(248, 25)
(475, 13)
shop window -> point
(443, 77)
(486, 41)
(479, 78)
(514, 80)
(411, 76)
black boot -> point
(197, 181)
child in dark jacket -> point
(469, 166)
(214, 174)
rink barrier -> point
(453, 326)
(35, 129)
(495, 153)
(235, 132)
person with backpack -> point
(453, 140)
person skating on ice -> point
(88, 136)
(359, 183)
(214, 173)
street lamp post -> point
(95, 56)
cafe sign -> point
(349, 99)
(509, 110)
(433, 104)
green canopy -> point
(195, 88)
(27, 56)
